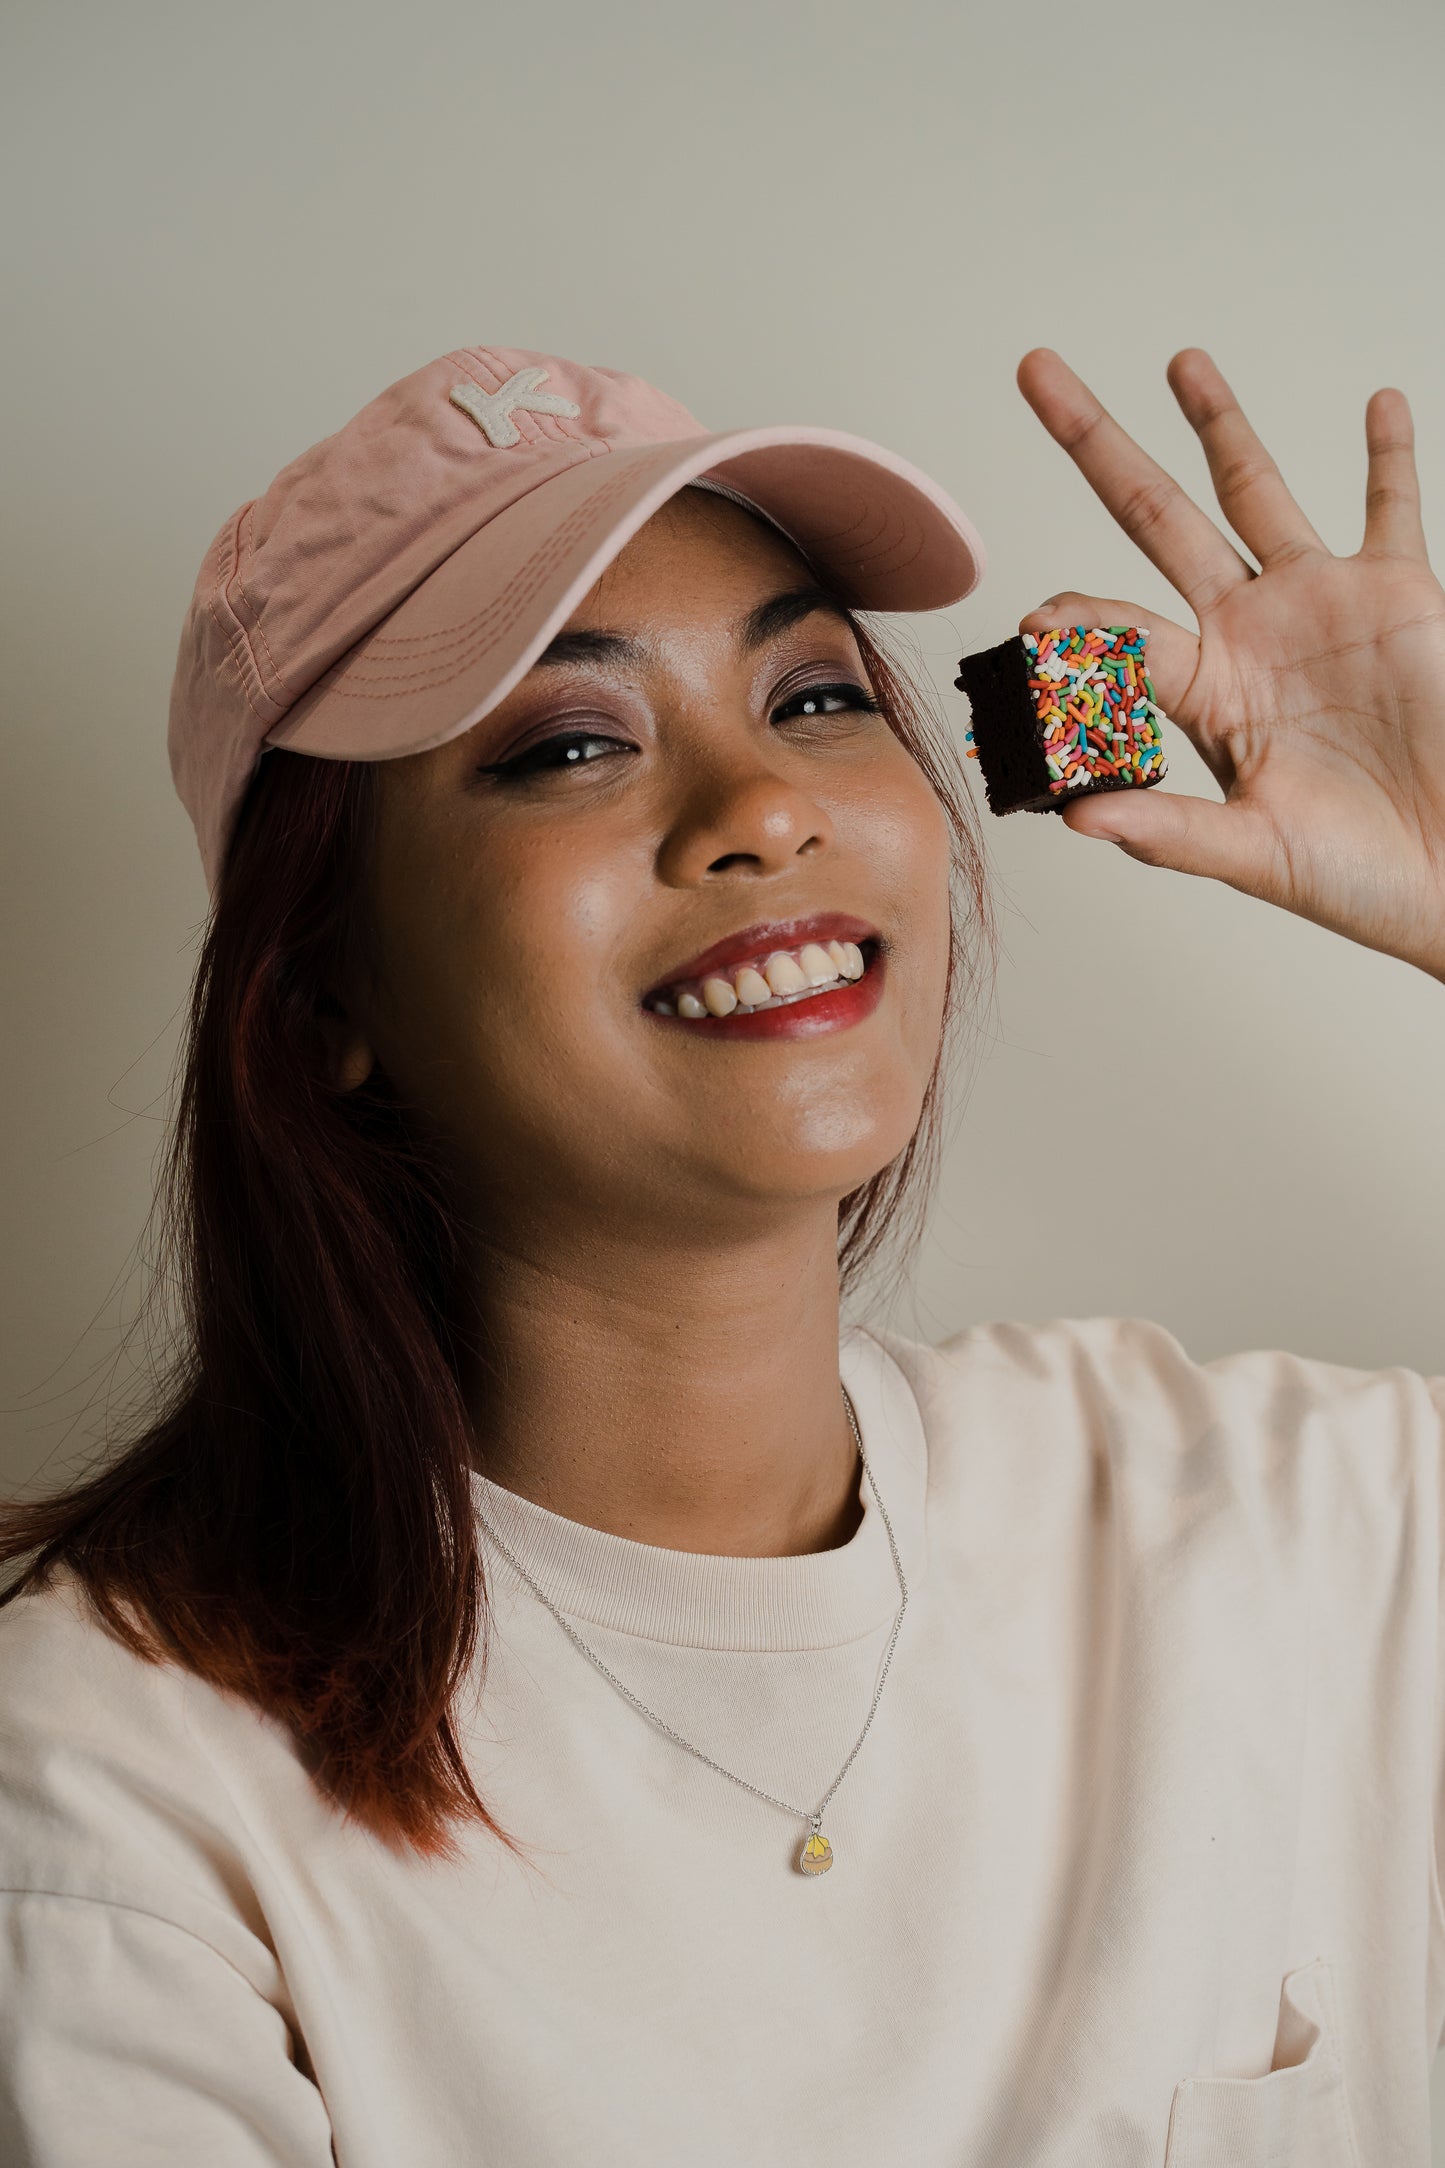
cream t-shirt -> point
(1137, 1865)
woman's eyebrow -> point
(781, 612)
(571, 647)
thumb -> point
(1223, 842)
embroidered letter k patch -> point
(492, 410)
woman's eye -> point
(582, 748)
(823, 700)
(570, 749)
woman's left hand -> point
(1314, 689)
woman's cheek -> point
(909, 846)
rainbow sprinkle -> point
(1097, 714)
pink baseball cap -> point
(397, 580)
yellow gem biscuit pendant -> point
(816, 1856)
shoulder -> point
(112, 1789)
(72, 1694)
(140, 1981)
(1120, 1369)
(1120, 1403)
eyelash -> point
(522, 766)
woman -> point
(538, 1692)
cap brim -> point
(882, 534)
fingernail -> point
(1095, 835)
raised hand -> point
(1314, 689)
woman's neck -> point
(686, 1398)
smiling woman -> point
(428, 937)
(733, 784)
(419, 1740)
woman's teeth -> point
(787, 975)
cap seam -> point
(239, 668)
(393, 684)
(256, 628)
(579, 516)
(234, 637)
(469, 640)
(341, 669)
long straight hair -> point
(294, 1522)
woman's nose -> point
(748, 823)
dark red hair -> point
(295, 1522)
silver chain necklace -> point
(816, 1853)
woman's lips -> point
(834, 1008)
(753, 944)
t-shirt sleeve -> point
(1325, 1478)
(126, 2038)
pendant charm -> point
(816, 1856)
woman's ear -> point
(350, 1056)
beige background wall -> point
(226, 229)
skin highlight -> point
(655, 1296)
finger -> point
(1393, 526)
(1250, 488)
(1149, 505)
(1172, 655)
(1228, 843)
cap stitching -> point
(592, 446)
(392, 684)
(237, 666)
(584, 514)
(876, 551)
(230, 636)
(456, 647)
(350, 682)
(901, 564)
(257, 627)
(863, 533)
(475, 634)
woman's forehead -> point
(700, 545)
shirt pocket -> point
(1296, 2116)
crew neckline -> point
(697, 1599)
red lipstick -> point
(801, 1016)
(754, 944)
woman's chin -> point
(820, 1162)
